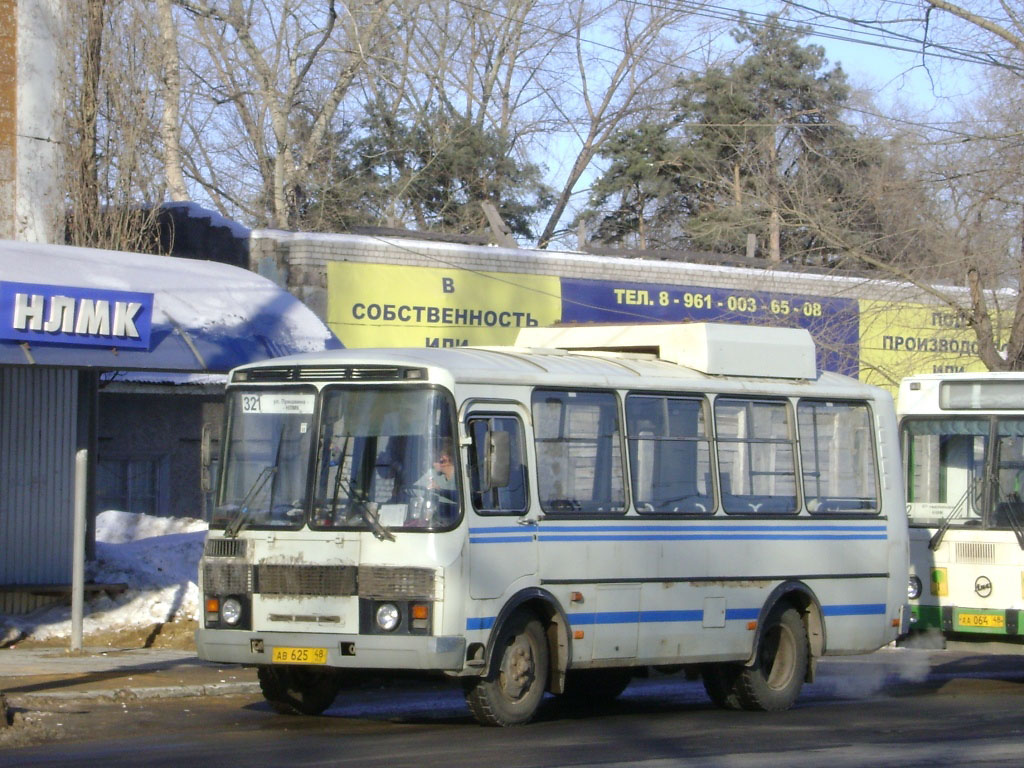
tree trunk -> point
(170, 121)
(87, 206)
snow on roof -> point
(206, 316)
(196, 211)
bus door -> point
(502, 532)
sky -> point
(923, 91)
(892, 69)
(157, 557)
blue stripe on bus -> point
(649, 617)
(558, 533)
(719, 537)
(501, 539)
(676, 528)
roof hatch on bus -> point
(713, 348)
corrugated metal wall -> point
(38, 436)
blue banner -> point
(834, 323)
(56, 314)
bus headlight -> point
(388, 616)
(914, 588)
(231, 611)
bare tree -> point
(971, 171)
(283, 71)
(112, 181)
(612, 84)
(170, 120)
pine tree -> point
(751, 146)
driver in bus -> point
(438, 506)
(441, 475)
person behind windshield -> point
(441, 475)
(436, 490)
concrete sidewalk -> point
(28, 674)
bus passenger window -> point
(837, 456)
(508, 499)
(669, 454)
(755, 449)
(579, 452)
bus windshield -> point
(964, 471)
(266, 460)
(386, 460)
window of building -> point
(132, 484)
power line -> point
(721, 12)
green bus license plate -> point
(300, 656)
(981, 620)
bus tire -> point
(593, 687)
(720, 684)
(512, 691)
(298, 690)
(772, 683)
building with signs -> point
(74, 321)
(400, 291)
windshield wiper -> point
(1013, 507)
(242, 517)
(937, 537)
(368, 509)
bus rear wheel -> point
(298, 690)
(512, 691)
(772, 683)
(720, 683)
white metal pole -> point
(78, 550)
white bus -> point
(618, 499)
(963, 446)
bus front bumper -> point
(343, 651)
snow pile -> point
(156, 557)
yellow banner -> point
(898, 340)
(378, 305)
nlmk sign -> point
(60, 314)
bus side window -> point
(579, 452)
(837, 456)
(755, 448)
(491, 498)
(670, 454)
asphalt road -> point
(896, 708)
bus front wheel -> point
(298, 690)
(512, 691)
(772, 683)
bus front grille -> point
(224, 577)
(225, 547)
(306, 580)
(379, 582)
(386, 583)
(976, 552)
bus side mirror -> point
(497, 460)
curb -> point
(129, 694)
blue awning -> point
(90, 308)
